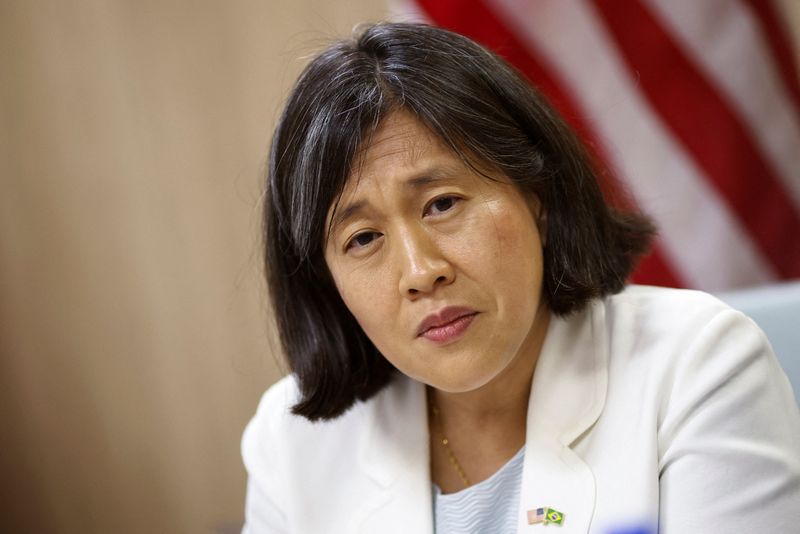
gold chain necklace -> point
(446, 444)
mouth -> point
(447, 324)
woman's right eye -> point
(361, 240)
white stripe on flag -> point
(406, 11)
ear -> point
(541, 224)
(539, 216)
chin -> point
(461, 384)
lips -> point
(446, 324)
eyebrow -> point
(425, 179)
(342, 215)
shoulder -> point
(654, 320)
(679, 356)
(278, 444)
(687, 360)
(295, 465)
(681, 306)
(274, 427)
(674, 330)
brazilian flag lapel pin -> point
(553, 516)
(545, 515)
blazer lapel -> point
(394, 454)
(567, 397)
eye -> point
(441, 205)
(361, 240)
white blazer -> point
(652, 410)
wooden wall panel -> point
(133, 333)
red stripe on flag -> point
(474, 19)
(709, 130)
(779, 45)
(655, 272)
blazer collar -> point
(571, 377)
(394, 453)
(567, 397)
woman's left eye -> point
(441, 205)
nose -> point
(423, 266)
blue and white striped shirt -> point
(489, 506)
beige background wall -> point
(133, 338)
(133, 335)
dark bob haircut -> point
(486, 113)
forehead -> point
(399, 141)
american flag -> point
(536, 515)
(694, 105)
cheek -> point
(507, 241)
(515, 259)
(354, 291)
(364, 292)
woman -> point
(448, 284)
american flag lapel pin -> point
(545, 515)
(536, 515)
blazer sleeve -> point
(729, 436)
(261, 453)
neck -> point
(485, 427)
(506, 394)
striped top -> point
(489, 506)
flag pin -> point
(545, 515)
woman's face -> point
(442, 268)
